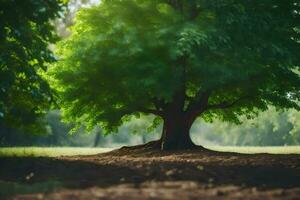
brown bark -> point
(175, 135)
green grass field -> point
(72, 151)
(256, 149)
(49, 151)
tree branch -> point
(158, 103)
(198, 104)
(152, 111)
(225, 104)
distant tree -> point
(25, 34)
(63, 23)
(270, 128)
(97, 139)
(178, 60)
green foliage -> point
(270, 128)
(225, 59)
(25, 35)
(56, 134)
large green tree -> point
(179, 60)
(25, 34)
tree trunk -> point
(176, 134)
(97, 139)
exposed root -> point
(154, 148)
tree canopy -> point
(25, 34)
(179, 60)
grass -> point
(72, 151)
(256, 149)
(49, 151)
(12, 188)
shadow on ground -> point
(28, 175)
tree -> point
(269, 128)
(63, 23)
(25, 34)
(178, 60)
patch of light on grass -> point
(49, 151)
(255, 149)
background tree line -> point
(270, 128)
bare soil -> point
(144, 173)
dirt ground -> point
(132, 173)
